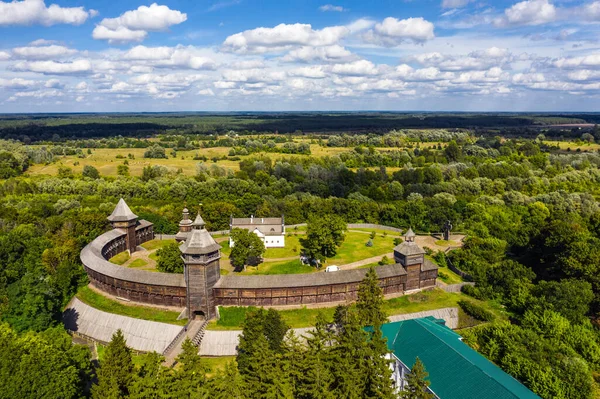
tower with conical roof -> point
(123, 218)
(185, 226)
(201, 255)
(411, 256)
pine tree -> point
(348, 359)
(370, 300)
(378, 373)
(190, 377)
(316, 378)
(151, 378)
(253, 329)
(416, 383)
(116, 370)
(275, 330)
(228, 384)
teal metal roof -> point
(456, 371)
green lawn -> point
(121, 258)
(354, 249)
(155, 244)
(291, 243)
(446, 243)
(153, 256)
(448, 276)
(379, 232)
(100, 302)
(138, 263)
(136, 358)
(232, 317)
(284, 267)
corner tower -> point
(123, 218)
(201, 255)
(411, 256)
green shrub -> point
(476, 311)
(369, 243)
(472, 291)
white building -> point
(270, 230)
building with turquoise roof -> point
(456, 371)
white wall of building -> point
(269, 241)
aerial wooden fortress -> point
(201, 288)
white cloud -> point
(35, 12)
(118, 35)
(4, 56)
(588, 61)
(81, 86)
(253, 75)
(312, 72)
(173, 57)
(392, 32)
(529, 12)
(356, 68)
(331, 7)
(206, 92)
(282, 37)
(455, 3)
(42, 52)
(335, 53)
(476, 60)
(220, 84)
(134, 25)
(16, 83)
(53, 84)
(53, 67)
(584, 75)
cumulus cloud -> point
(311, 72)
(134, 25)
(53, 67)
(174, 57)
(42, 52)
(331, 7)
(206, 92)
(282, 37)
(16, 83)
(393, 32)
(529, 12)
(476, 60)
(35, 12)
(588, 61)
(335, 53)
(356, 68)
(4, 56)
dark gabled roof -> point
(199, 242)
(306, 280)
(408, 248)
(456, 371)
(267, 226)
(122, 213)
(428, 265)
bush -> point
(397, 241)
(369, 243)
(384, 261)
(472, 291)
(372, 235)
(476, 311)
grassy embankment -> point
(100, 302)
(232, 317)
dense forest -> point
(529, 208)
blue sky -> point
(240, 55)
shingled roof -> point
(408, 248)
(199, 240)
(306, 280)
(122, 213)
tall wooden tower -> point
(123, 218)
(201, 256)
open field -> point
(100, 302)
(106, 160)
(232, 317)
(283, 267)
(574, 145)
